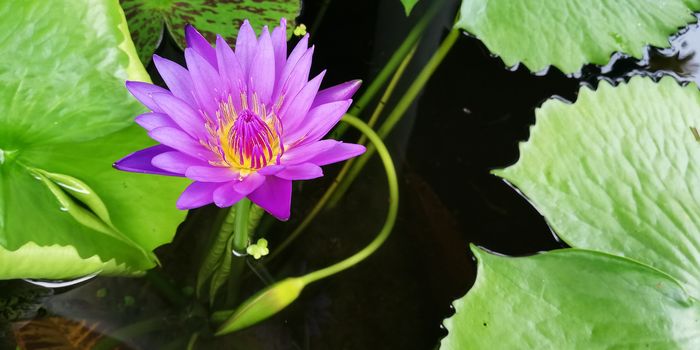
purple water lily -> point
(241, 124)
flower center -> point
(245, 138)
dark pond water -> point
(467, 122)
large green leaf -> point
(615, 172)
(65, 117)
(147, 17)
(572, 299)
(619, 171)
(570, 33)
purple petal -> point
(226, 196)
(318, 122)
(262, 73)
(304, 171)
(182, 114)
(211, 174)
(295, 112)
(292, 60)
(275, 196)
(140, 161)
(279, 44)
(208, 87)
(339, 153)
(338, 92)
(301, 154)
(143, 91)
(271, 170)
(197, 42)
(182, 142)
(150, 121)
(196, 195)
(230, 68)
(177, 78)
(298, 77)
(246, 44)
(249, 184)
(176, 162)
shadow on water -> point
(469, 120)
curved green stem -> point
(390, 217)
(398, 112)
(411, 39)
(346, 167)
(276, 297)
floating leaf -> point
(65, 117)
(619, 171)
(572, 299)
(570, 33)
(147, 17)
(615, 172)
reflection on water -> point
(680, 61)
(60, 283)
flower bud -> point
(262, 305)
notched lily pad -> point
(619, 171)
(572, 299)
(570, 33)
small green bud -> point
(129, 300)
(262, 305)
(300, 30)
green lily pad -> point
(616, 173)
(570, 33)
(619, 171)
(65, 117)
(572, 299)
(146, 19)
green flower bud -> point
(262, 305)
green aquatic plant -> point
(570, 33)
(64, 212)
(615, 174)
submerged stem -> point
(398, 112)
(388, 92)
(411, 39)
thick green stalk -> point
(398, 112)
(241, 239)
(378, 82)
(240, 227)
